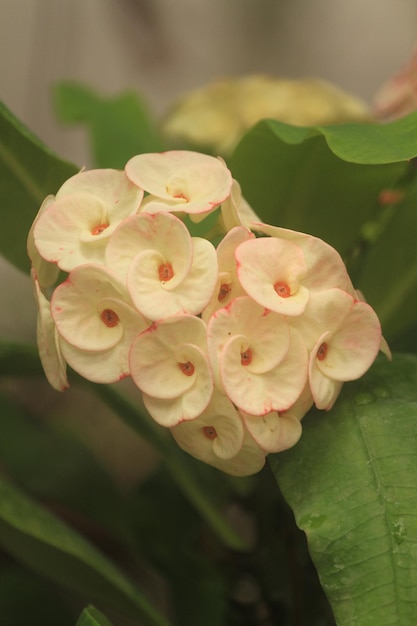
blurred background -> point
(164, 48)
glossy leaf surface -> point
(352, 482)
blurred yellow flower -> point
(216, 116)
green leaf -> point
(363, 143)
(388, 273)
(119, 127)
(30, 447)
(28, 173)
(24, 596)
(194, 478)
(92, 617)
(293, 179)
(178, 553)
(45, 544)
(352, 484)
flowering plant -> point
(217, 308)
(230, 348)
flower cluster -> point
(230, 346)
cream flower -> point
(96, 322)
(272, 272)
(228, 287)
(256, 358)
(281, 271)
(343, 337)
(167, 271)
(75, 227)
(48, 340)
(180, 180)
(169, 364)
(218, 438)
(236, 211)
(46, 273)
(273, 432)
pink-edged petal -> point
(112, 364)
(163, 233)
(182, 293)
(265, 333)
(110, 187)
(302, 405)
(354, 347)
(58, 232)
(228, 286)
(272, 432)
(270, 271)
(82, 308)
(325, 390)
(75, 227)
(326, 311)
(325, 265)
(46, 273)
(169, 361)
(217, 437)
(180, 180)
(236, 211)
(273, 390)
(50, 353)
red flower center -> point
(187, 368)
(246, 357)
(110, 318)
(97, 230)
(165, 272)
(322, 351)
(210, 432)
(224, 290)
(282, 289)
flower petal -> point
(272, 432)
(180, 180)
(354, 347)
(168, 363)
(183, 292)
(49, 346)
(270, 270)
(163, 233)
(217, 437)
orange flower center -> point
(224, 290)
(322, 351)
(246, 357)
(210, 432)
(282, 289)
(110, 318)
(187, 368)
(97, 230)
(165, 272)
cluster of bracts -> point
(229, 346)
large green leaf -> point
(364, 143)
(119, 126)
(30, 446)
(352, 483)
(29, 171)
(42, 542)
(300, 178)
(200, 483)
